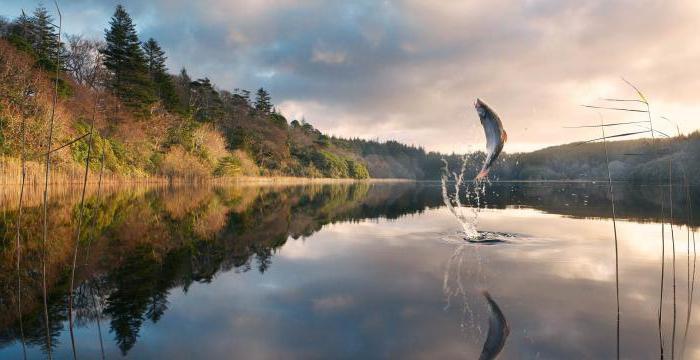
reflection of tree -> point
(35, 326)
(132, 286)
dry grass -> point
(65, 173)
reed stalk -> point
(617, 262)
(691, 283)
(647, 110)
(673, 257)
(18, 245)
(81, 209)
(47, 172)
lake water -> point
(355, 271)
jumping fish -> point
(495, 136)
(498, 331)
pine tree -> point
(155, 61)
(155, 58)
(21, 33)
(125, 59)
(207, 102)
(182, 90)
(44, 38)
(262, 101)
(24, 27)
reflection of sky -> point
(374, 289)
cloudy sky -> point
(410, 70)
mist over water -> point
(347, 271)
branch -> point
(62, 146)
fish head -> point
(480, 107)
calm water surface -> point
(348, 271)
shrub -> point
(278, 120)
(208, 143)
(357, 170)
(236, 164)
(178, 163)
(331, 165)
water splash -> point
(466, 215)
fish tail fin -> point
(482, 174)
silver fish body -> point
(495, 136)
(498, 331)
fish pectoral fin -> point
(482, 174)
(504, 136)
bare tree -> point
(83, 61)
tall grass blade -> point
(617, 262)
(614, 108)
(673, 257)
(47, 173)
(605, 125)
(23, 130)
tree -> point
(19, 33)
(206, 102)
(242, 94)
(83, 60)
(158, 73)
(43, 38)
(262, 101)
(125, 59)
(155, 58)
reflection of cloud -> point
(298, 250)
(333, 303)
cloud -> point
(328, 57)
(410, 69)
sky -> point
(410, 70)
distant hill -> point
(638, 161)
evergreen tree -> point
(20, 33)
(262, 101)
(24, 27)
(155, 58)
(125, 59)
(243, 94)
(182, 90)
(207, 104)
(43, 37)
(155, 62)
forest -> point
(117, 103)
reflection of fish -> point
(495, 135)
(498, 331)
